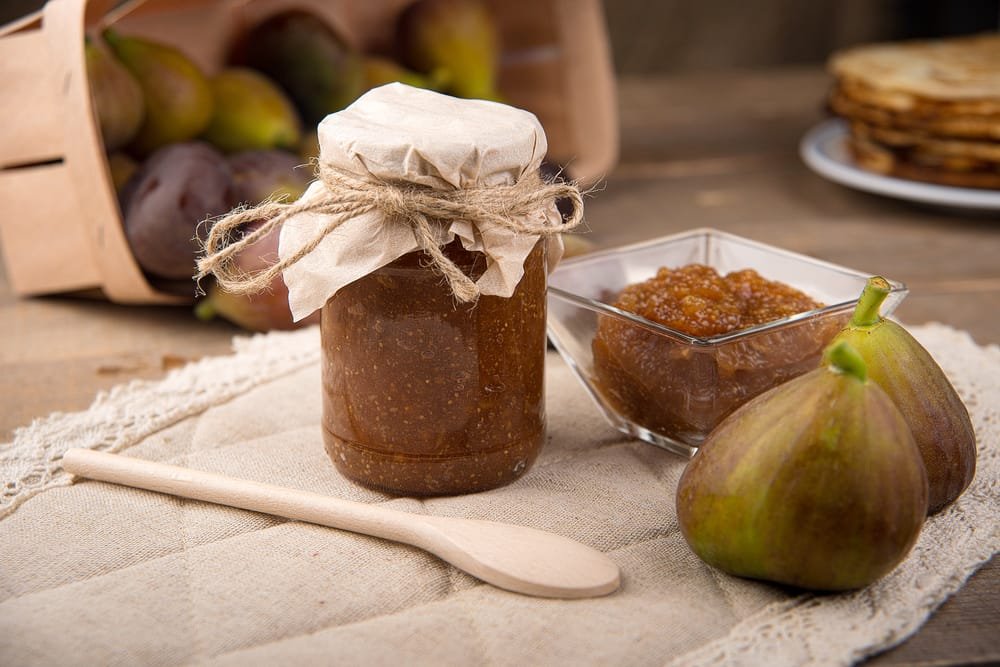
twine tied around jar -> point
(347, 196)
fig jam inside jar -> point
(423, 395)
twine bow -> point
(347, 196)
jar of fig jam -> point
(424, 242)
(425, 396)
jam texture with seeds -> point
(423, 395)
(682, 390)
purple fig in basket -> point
(260, 175)
(164, 203)
(816, 483)
(919, 388)
(255, 312)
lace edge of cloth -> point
(124, 415)
(842, 629)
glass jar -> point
(423, 395)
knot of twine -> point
(347, 196)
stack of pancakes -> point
(928, 111)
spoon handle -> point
(245, 494)
(516, 558)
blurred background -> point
(666, 36)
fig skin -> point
(178, 98)
(937, 417)
(167, 199)
(269, 173)
(118, 100)
(251, 113)
(264, 311)
(122, 168)
(307, 58)
(455, 41)
(816, 483)
(379, 71)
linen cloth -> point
(92, 573)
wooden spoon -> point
(516, 558)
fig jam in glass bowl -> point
(666, 357)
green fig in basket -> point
(379, 71)
(304, 56)
(178, 98)
(118, 100)
(251, 113)
(919, 388)
(122, 169)
(456, 39)
(816, 483)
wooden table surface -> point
(718, 151)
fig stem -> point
(110, 35)
(845, 359)
(866, 313)
(205, 310)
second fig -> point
(916, 384)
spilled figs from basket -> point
(178, 98)
(307, 58)
(251, 113)
(260, 175)
(166, 201)
(264, 311)
(456, 37)
(916, 384)
(816, 483)
(117, 97)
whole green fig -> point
(251, 113)
(454, 39)
(919, 388)
(816, 483)
(117, 97)
(178, 97)
(314, 65)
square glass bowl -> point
(671, 389)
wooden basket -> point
(61, 228)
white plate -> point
(825, 151)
